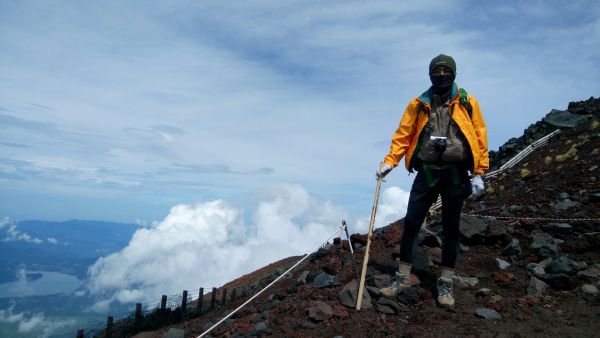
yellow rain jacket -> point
(414, 119)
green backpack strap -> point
(464, 101)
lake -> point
(51, 282)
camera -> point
(439, 143)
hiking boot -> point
(398, 283)
(445, 294)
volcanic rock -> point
(488, 314)
(349, 293)
(319, 311)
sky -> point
(240, 133)
(120, 110)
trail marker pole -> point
(363, 273)
(351, 249)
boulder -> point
(564, 119)
(473, 229)
(589, 289)
(325, 280)
(349, 294)
(543, 245)
(561, 265)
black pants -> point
(454, 186)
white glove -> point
(477, 186)
(383, 170)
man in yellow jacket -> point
(443, 137)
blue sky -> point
(120, 110)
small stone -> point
(502, 278)
(536, 287)
(589, 289)
(543, 245)
(592, 272)
(483, 292)
(558, 228)
(381, 281)
(513, 248)
(536, 269)
(564, 195)
(564, 265)
(260, 326)
(174, 333)
(502, 264)
(496, 302)
(325, 280)
(319, 311)
(465, 282)
(564, 205)
(463, 247)
(390, 304)
(488, 314)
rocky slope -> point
(529, 261)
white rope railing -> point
(341, 228)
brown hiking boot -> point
(398, 283)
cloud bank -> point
(33, 323)
(207, 244)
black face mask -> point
(442, 84)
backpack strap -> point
(464, 101)
(421, 108)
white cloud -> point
(33, 323)
(14, 234)
(208, 244)
(392, 206)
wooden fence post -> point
(80, 333)
(200, 299)
(224, 297)
(184, 301)
(138, 313)
(109, 326)
(213, 299)
(163, 303)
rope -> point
(268, 286)
(536, 218)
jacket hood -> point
(427, 95)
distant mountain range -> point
(69, 247)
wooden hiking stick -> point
(363, 272)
